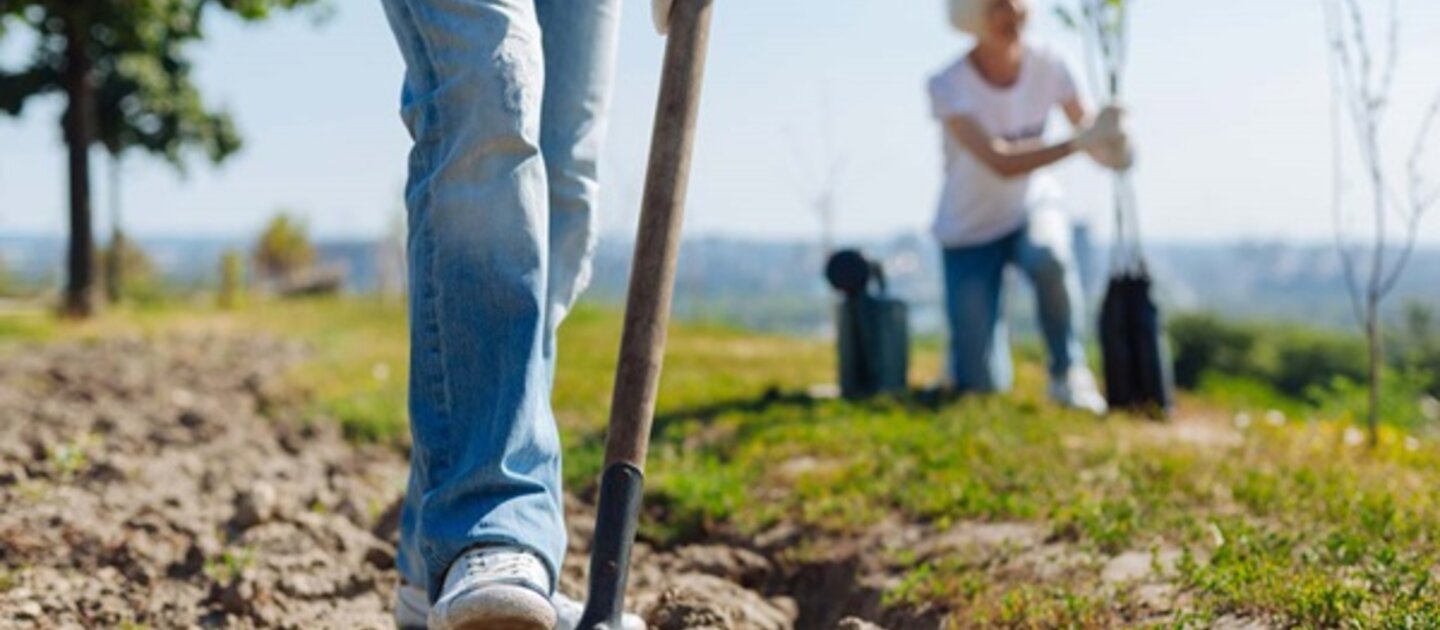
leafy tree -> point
(124, 69)
(284, 248)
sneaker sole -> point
(501, 624)
(411, 609)
(500, 608)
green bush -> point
(232, 279)
(1290, 359)
(1307, 371)
(1305, 360)
(15, 285)
(129, 273)
(1401, 399)
(1417, 346)
(284, 247)
(1205, 343)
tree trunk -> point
(115, 256)
(1373, 333)
(79, 135)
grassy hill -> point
(996, 511)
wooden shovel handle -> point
(652, 275)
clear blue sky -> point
(1230, 104)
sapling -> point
(1104, 27)
(1363, 77)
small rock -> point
(29, 610)
(1127, 567)
(307, 586)
(381, 557)
(13, 474)
(235, 598)
(1157, 598)
(782, 535)
(704, 601)
(746, 567)
(105, 472)
(676, 611)
(209, 481)
(985, 538)
(291, 443)
(387, 525)
(255, 506)
(1233, 622)
(191, 419)
(190, 565)
(104, 425)
(1138, 566)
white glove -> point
(1106, 141)
(661, 10)
(1103, 129)
(1116, 155)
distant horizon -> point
(612, 236)
(776, 284)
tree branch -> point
(17, 88)
(1421, 202)
(1334, 43)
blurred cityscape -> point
(778, 285)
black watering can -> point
(873, 330)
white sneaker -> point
(1079, 391)
(412, 610)
(571, 610)
(495, 588)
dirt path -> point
(145, 485)
(168, 484)
(172, 484)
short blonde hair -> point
(968, 16)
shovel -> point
(647, 313)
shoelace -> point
(506, 565)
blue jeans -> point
(505, 101)
(1043, 249)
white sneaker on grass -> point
(1079, 391)
(495, 588)
(412, 611)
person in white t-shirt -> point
(1001, 207)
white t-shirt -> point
(978, 205)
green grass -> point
(26, 326)
(1294, 521)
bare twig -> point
(1392, 58)
(817, 181)
(1421, 201)
(1362, 91)
(1339, 107)
(1417, 156)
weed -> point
(230, 564)
(69, 460)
